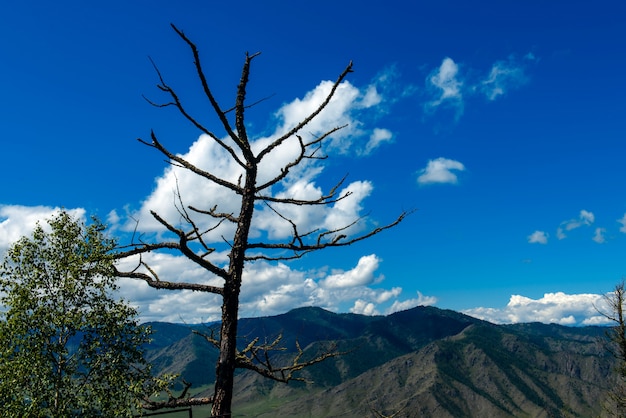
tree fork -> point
(189, 239)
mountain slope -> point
(422, 362)
(485, 371)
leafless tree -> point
(616, 336)
(253, 193)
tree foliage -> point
(193, 231)
(68, 347)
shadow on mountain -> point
(422, 362)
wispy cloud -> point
(558, 308)
(585, 218)
(538, 237)
(440, 170)
(504, 76)
(623, 222)
(448, 87)
(377, 138)
(599, 235)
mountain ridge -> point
(421, 361)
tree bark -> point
(225, 368)
(226, 363)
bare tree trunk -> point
(226, 363)
(225, 368)
(191, 240)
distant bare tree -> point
(617, 346)
(191, 240)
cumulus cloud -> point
(440, 170)
(538, 237)
(343, 109)
(362, 307)
(421, 300)
(177, 188)
(558, 308)
(362, 274)
(267, 289)
(17, 221)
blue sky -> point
(501, 123)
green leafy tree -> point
(68, 347)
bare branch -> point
(164, 87)
(258, 359)
(191, 167)
(337, 241)
(301, 156)
(329, 198)
(142, 248)
(193, 243)
(241, 142)
(176, 401)
(253, 104)
(210, 338)
(212, 212)
(160, 284)
(309, 118)
(240, 108)
(195, 234)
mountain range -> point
(422, 362)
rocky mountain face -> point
(423, 362)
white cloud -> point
(538, 237)
(599, 235)
(504, 76)
(377, 138)
(440, 170)
(444, 81)
(17, 221)
(362, 274)
(558, 308)
(362, 307)
(267, 289)
(623, 222)
(421, 300)
(346, 108)
(448, 87)
(316, 217)
(585, 218)
(343, 109)
(346, 211)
